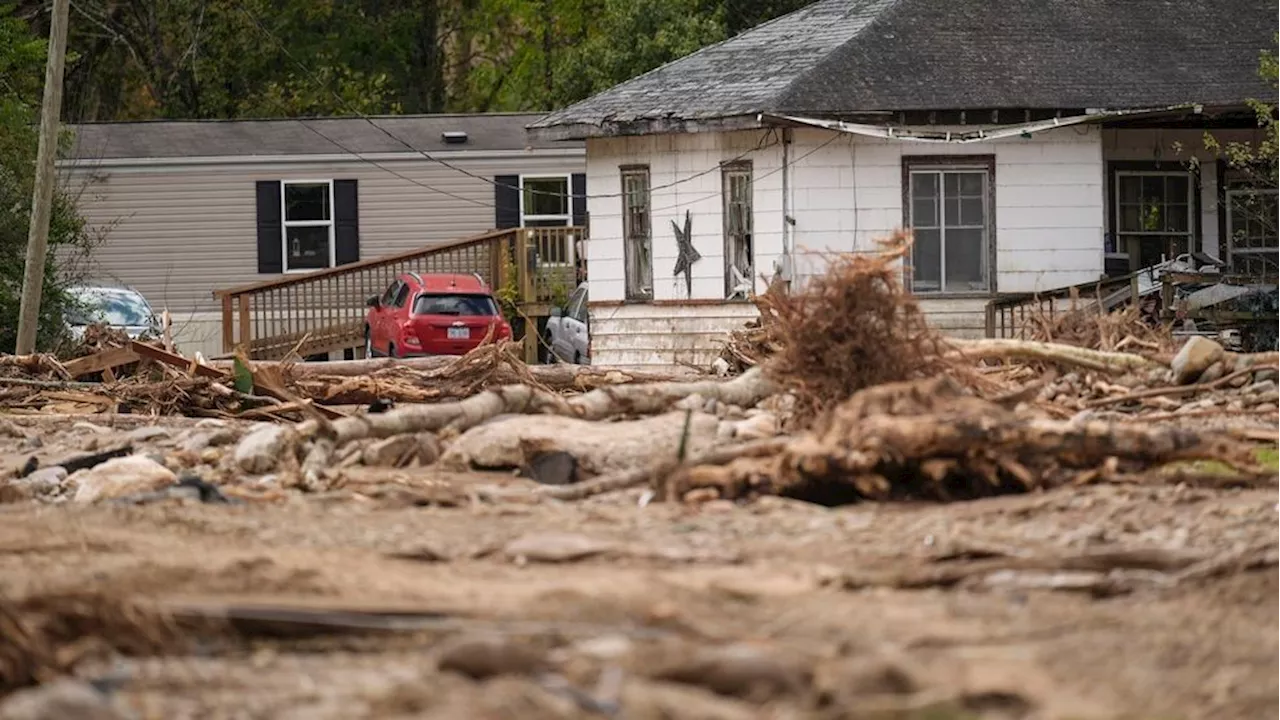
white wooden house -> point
(1030, 146)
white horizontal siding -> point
(179, 232)
(662, 336)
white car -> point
(568, 330)
(122, 308)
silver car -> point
(122, 308)
(568, 329)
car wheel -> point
(577, 358)
(391, 350)
(368, 343)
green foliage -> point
(22, 56)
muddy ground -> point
(607, 608)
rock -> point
(1238, 381)
(429, 449)
(481, 657)
(1213, 372)
(217, 438)
(741, 670)
(720, 367)
(45, 481)
(759, 426)
(1194, 358)
(695, 402)
(395, 451)
(119, 477)
(553, 547)
(63, 699)
(143, 434)
(260, 451)
(1261, 387)
(210, 456)
(90, 427)
(598, 447)
(32, 443)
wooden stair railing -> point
(324, 311)
(1012, 316)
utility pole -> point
(42, 195)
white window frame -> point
(571, 240)
(941, 170)
(635, 289)
(1231, 235)
(568, 198)
(728, 171)
(286, 223)
(1118, 233)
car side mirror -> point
(372, 301)
(556, 312)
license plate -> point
(460, 333)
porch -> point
(529, 269)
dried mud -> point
(353, 604)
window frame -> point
(727, 170)
(568, 200)
(633, 287)
(1119, 234)
(1229, 239)
(953, 163)
(286, 223)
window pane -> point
(924, 211)
(306, 202)
(972, 211)
(546, 223)
(1153, 188)
(1130, 189)
(1130, 218)
(951, 184)
(926, 261)
(307, 247)
(971, 184)
(966, 264)
(924, 184)
(546, 196)
(470, 305)
(1177, 188)
(403, 296)
(1176, 218)
(952, 214)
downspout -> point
(785, 262)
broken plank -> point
(98, 362)
(176, 361)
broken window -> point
(1154, 217)
(949, 211)
(739, 257)
(636, 238)
(1252, 238)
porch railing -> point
(1014, 315)
(324, 311)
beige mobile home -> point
(190, 207)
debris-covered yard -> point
(853, 518)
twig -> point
(52, 384)
(1177, 389)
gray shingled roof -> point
(845, 57)
(322, 136)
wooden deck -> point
(324, 311)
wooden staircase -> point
(324, 311)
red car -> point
(432, 315)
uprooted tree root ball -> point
(928, 439)
(850, 328)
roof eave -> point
(581, 130)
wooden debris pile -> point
(1086, 326)
(931, 439)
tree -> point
(22, 58)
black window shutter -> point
(506, 201)
(270, 230)
(346, 222)
(578, 187)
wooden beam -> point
(98, 362)
(173, 360)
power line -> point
(760, 145)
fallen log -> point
(1008, 349)
(641, 399)
(559, 375)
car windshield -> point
(454, 305)
(113, 307)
